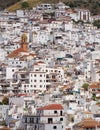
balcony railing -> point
(52, 122)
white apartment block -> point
(37, 81)
(84, 14)
(40, 78)
(44, 7)
(41, 37)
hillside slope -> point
(5, 3)
(92, 5)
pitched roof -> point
(16, 53)
(65, 87)
(51, 107)
(5, 128)
(95, 85)
(87, 112)
(88, 123)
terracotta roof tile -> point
(87, 112)
(40, 62)
(95, 85)
(5, 128)
(15, 53)
(32, 55)
(88, 123)
(51, 107)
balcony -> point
(50, 115)
(42, 122)
(10, 88)
(54, 122)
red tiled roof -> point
(32, 54)
(41, 62)
(71, 11)
(68, 128)
(95, 85)
(89, 123)
(16, 53)
(51, 107)
(24, 95)
(5, 128)
(35, 64)
(87, 112)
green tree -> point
(97, 23)
(0, 103)
(25, 5)
(3, 123)
(85, 86)
(80, 22)
(5, 100)
(94, 97)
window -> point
(40, 80)
(54, 127)
(61, 119)
(13, 70)
(40, 86)
(34, 80)
(35, 75)
(40, 75)
(55, 112)
(47, 76)
(34, 86)
(61, 113)
(31, 85)
(25, 120)
(32, 120)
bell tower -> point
(24, 44)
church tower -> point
(24, 44)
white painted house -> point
(49, 117)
